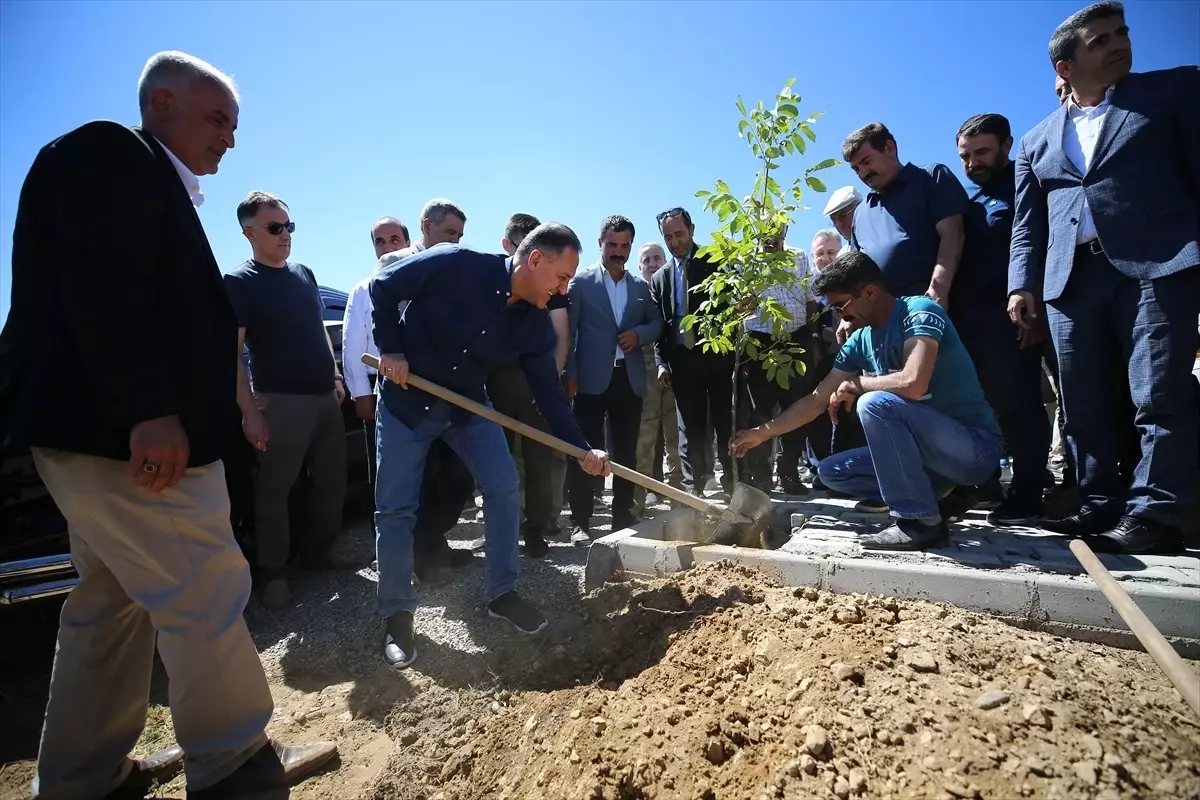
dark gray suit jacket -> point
(1143, 186)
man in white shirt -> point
(447, 484)
(760, 394)
(840, 210)
(658, 434)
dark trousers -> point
(825, 438)
(1012, 383)
(1108, 330)
(703, 384)
(509, 391)
(623, 410)
(764, 398)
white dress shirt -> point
(794, 298)
(357, 336)
(618, 296)
(1079, 145)
(190, 181)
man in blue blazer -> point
(1106, 227)
(611, 317)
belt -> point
(618, 363)
(1090, 248)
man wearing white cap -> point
(840, 210)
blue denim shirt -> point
(982, 276)
(458, 327)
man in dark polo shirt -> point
(1007, 360)
(911, 222)
(291, 399)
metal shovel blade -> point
(747, 521)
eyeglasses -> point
(670, 212)
(839, 309)
(276, 228)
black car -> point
(35, 559)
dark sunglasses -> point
(670, 212)
(276, 228)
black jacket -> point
(662, 292)
(119, 314)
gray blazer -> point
(594, 330)
(1143, 186)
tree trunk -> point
(737, 365)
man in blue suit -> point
(611, 316)
(1106, 227)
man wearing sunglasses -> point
(927, 424)
(702, 381)
(290, 397)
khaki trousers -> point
(658, 411)
(162, 567)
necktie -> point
(689, 336)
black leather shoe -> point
(1134, 536)
(158, 768)
(399, 640)
(1083, 523)
(793, 486)
(275, 766)
(535, 545)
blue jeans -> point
(912, 450)
(400, 468)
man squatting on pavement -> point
(469, 312)
(927, 424)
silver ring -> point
(148, 467)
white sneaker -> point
(580, 538)
(651, 499)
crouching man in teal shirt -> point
(927, 424)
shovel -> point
(746, 522)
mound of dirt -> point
(721, 685)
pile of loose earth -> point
(720, 685)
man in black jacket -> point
(117, 369)
(702, 381)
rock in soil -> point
(688, 689)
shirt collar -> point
(190, 181)
(1074, 108)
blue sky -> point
(570, 111)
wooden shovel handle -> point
(1156, 645)
(553, 442)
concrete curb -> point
(1066, 604)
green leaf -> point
(826, 164)
(790, 82)
(703, 193)
(815, 184)
(808, 131)
(742, 125)
(789, 110)
(741, 106)
(782, 378)
(801, 145)
(722, 186)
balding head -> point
(651, 258)
(388, 235)
(190, 106)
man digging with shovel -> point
(469, 313)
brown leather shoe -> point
(274, 766)
(160, 767)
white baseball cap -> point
(842, 198)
